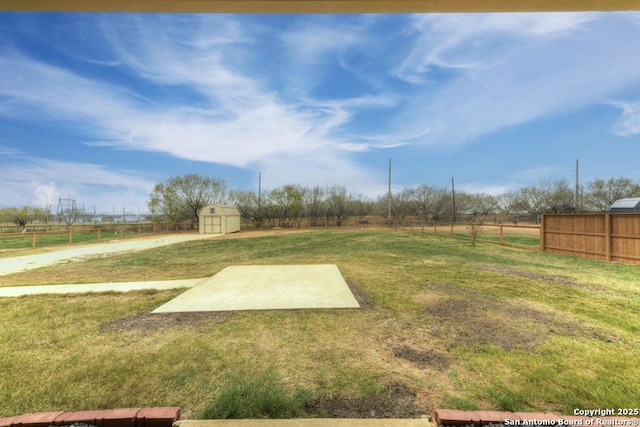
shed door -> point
(212, 225)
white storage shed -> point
(219, 219)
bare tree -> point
(403, 204)
(601, 194)
(430, 202)
(315, 204)
(338, 203)
(287, 204)
(361, 207)
(558, 196)
(507, 203)
(182, 198)
(481, 204)
(247, 203)
(531, 200)
(475, 224)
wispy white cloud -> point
(323, 168)
(629, 123)
(463, 40)
(535, 173)
(68, 172)
(247, 92)
(238, 119)
(310, 45)
(36, 181)
(499, 71)
(174, 50)
(32, 87)
(487, 188)
(6, 151)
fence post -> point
(98, 234)
(501, 235)
(121, 232)
(70, 236)
(607, 231)
(33, 240)
(543, 225)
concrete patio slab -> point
(266, 287)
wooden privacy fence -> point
(605, 236)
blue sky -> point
(100, 107)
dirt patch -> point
(243, 234)
(469, 317)
(395, 401)
(422, 358)
(363, 299)
(150, 323)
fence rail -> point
(605, 236)
(525, 236)
(85, 234)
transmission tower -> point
(67, 211)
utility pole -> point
(577, 195)
(453, 194)
(389, 195)
(260, 198)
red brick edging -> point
(450, 417)
(166, 416)
(123, 417)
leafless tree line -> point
(290, 205)
(181, 199)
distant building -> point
(630, 205)
(219, 219)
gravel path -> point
(29, 262)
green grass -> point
(483, 327)
(514, 240)
(532, 241)
(42, 240)
(59, 238)
(249, 396)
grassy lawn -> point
(53, 239)
(24, 241)
(444, 324)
